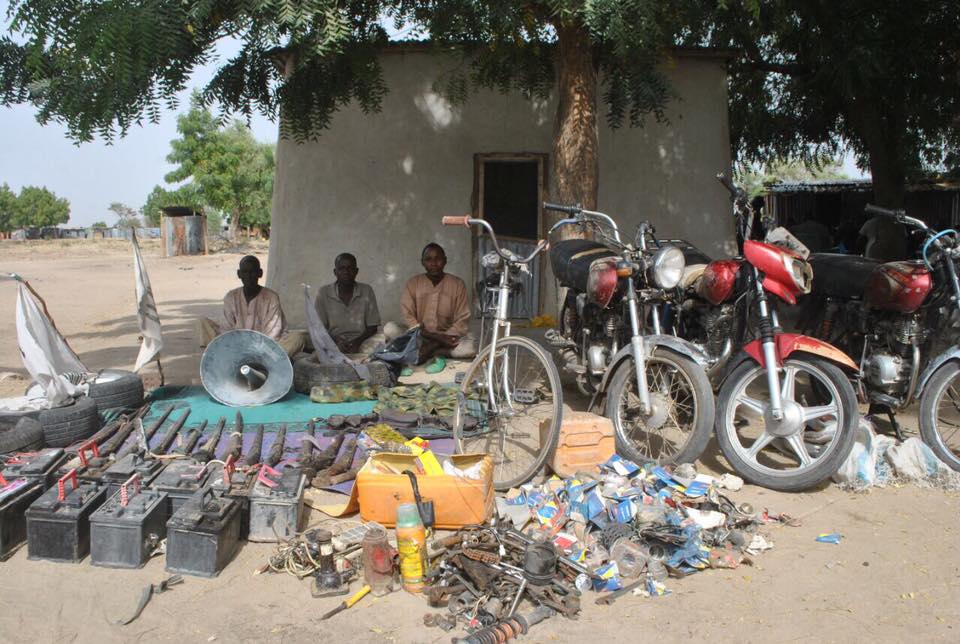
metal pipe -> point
(255, 378)
(516, 600)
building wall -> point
(377, 184)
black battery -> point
(58, 523)
(180, 480)
(204, 534)
(128, 526)
(39, 466)
(276, 504)
(126, 467)
(16, 495)
(234, 485)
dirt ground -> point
(893, 577)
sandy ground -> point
(893, 577)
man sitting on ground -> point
(348, 308)
(438, 302)
(252, 307)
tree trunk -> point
(575, 160)
(234, 231)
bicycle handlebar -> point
(570, 210)
(467, 220)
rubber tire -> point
(824, 469)
(308, 373)
(64, 426)
(124, 392)
(550, 445)
(26, 435)
(928, 426)
(704, 401)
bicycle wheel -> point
(519, 416)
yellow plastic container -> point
(457, 502)
(586, 441)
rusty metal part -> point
(275, 455)
(206, 452)
(253, 456)
(606, 600)
(481, 555)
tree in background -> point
(159, 198)
(99, 224)
(8, 205)
(127, 217)
(881, 75)
(39, 207)
(230, 170)
(753, 179)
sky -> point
(93, 175)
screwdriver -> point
(347, 603)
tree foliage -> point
(159, 198)
(39, 207)
(8, 205)
(754, 179)
(881, 76)
(99, 224)
(127, 217)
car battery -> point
(58, 523)
(39, 466)
(92, 465)
(129, 525)
(180, 480)
(226, 480)
(16, 495)
(126, 467)
(276, 503)
(204, 534)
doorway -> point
(509, 190)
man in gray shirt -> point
(348, 308)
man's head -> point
(345, 269)
(434, 260)
(249, 271)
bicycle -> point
(512, 387)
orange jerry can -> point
(586, 441)
(457, 501)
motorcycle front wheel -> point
(804, 448)
(940, 414)
(678, 429)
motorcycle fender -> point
(651, 342)
(788, 343)
(953, 353)
(779, 290)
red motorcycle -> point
(786, 411)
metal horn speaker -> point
(245, 369)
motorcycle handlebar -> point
(570, 210)
(900, 216)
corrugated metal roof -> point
(856, 185)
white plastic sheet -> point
(327, 351)
(46, 355)
(147, 317)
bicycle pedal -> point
(526, 396)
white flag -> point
(46, 355)
(147, 317)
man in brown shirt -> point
(439, 304)
(252, 307)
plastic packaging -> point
(630, 557)
(377, 561)
(656, 570)
(412, 545)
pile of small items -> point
(623, 530)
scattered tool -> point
(148, 593)
(347, 603)
(606, 600)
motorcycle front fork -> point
(768, 342)
(637, 349)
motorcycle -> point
(786, 410)
(656, 391)
(902, 318)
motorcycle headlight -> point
(668, 265)
(802, 274)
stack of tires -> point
(64, 426)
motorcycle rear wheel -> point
(819, 407)
(940, 414)
(683, 414)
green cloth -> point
(432, 400)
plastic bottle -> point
(412, 546)
(630, 557)
(377, 561)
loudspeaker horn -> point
(245, 369)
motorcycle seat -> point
(571, 260)
(837, 275)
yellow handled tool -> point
(344, 605)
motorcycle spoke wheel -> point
(518, 430)
(679, 426)
(940, 414)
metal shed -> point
(183, 231)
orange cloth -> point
(443, 308)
